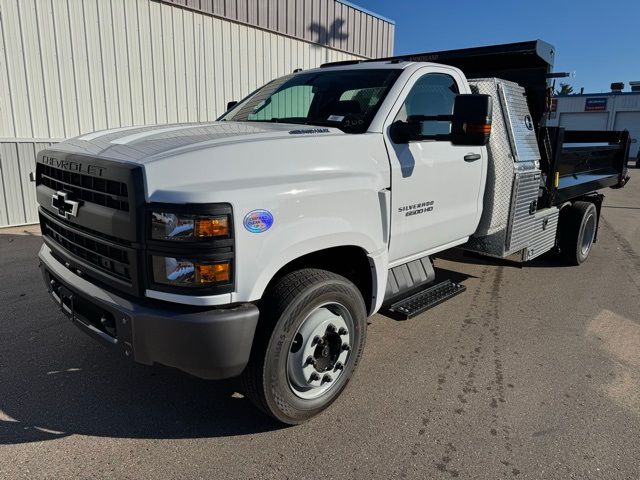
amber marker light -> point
(211, 273)
(212, 226)
(478, 128)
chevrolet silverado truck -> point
(256, 246)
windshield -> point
(345, 99)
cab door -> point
(436, 187)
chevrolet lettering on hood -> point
(76, 167)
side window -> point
(432, 94)
(291, 102)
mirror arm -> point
(429, 118)
(438, 138)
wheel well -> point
(566, 208)
(349, 261)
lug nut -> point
(316, 340)
(342, 331)
(310, 361)
(338, 366)
(314, 377)
(346, 347)
(327, 378)
(331, 328)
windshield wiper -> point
(270, 120)
(310, 121)
(302, 121)
(324, 123)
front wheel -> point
(309, 341)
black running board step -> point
(422, 301)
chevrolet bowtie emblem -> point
(66, 207)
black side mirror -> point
(471, 123)
(405, 132)
(231, 104)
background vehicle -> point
(259, 244)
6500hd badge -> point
(417, 209)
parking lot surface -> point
(533, 372)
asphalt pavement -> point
(532, 373)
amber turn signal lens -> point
(477, 128)
(212, 226)
(213, 272)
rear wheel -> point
(310, 338)
(578, 226)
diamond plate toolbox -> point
(513, 175)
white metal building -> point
(73, 66)
(601, 111)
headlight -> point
(189, 272)
(190, 248)
(188, 228)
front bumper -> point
(208, 343)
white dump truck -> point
(256, 246)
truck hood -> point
(233, 162)
(149, 143)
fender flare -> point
(378, 260)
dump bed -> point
(579, 162)
(573, 163)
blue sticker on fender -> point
(258, 221)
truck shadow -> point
(113, 398)
(121, 400)
(547, 260)
(56, 382)
(446, 274)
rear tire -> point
(306, 319)
(578, 226)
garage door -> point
(584, 120)
(630, 121)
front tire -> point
(310, 338)
(578, 226)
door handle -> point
(472, 157)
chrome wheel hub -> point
(320, 350)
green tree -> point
(565, 89)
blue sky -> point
(599, 41)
